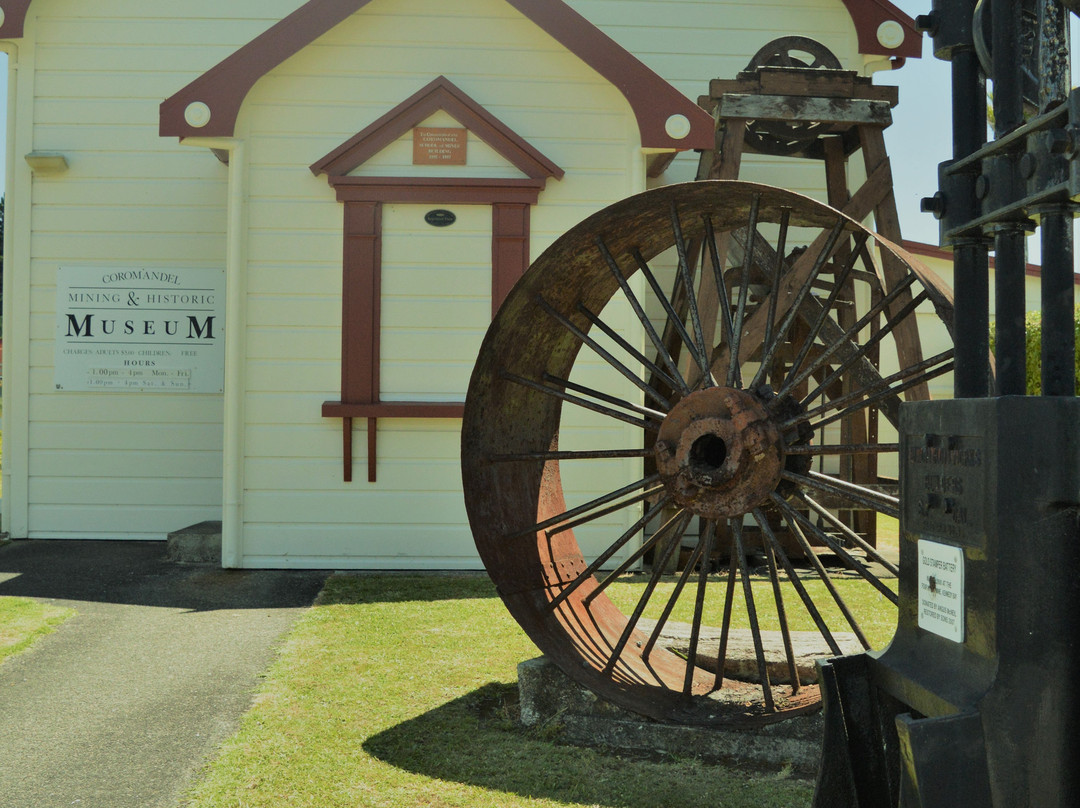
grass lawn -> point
(24, 621)
(400, 691)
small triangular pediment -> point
(441, 95)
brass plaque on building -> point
(440, 146)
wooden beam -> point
(799, 108)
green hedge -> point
(1033, 325)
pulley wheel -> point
(733, 453)
(789, 137)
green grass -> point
(400, 691)
(875, 615)
(24, 621)
(888, 532)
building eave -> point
(209, 106)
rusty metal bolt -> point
(926, 24)
(933, 204)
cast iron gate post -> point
(972, 704)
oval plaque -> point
(440, 218)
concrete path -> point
(123, 703)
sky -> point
(918, 140)
(921, 134)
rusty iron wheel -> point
(761, 356)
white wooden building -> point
(184, 178)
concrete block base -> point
(551, 700)
(198, 544)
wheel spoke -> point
(597, 454)
(751, 614)
(734, 369)
(605, 556)
(721, 284)
(676, 525)
(646, 483)
(600, 514)
(648, 424)
(673, 317)
(849, 534)
(867, 497)
(599, 395)
(823, 574)
(826, 308)
(849, 560)
(882, 385)
(654, 578)
(688, 570)
(796, 582)
(770, 319)
(843, 449)
(646, 323)
(729, 603)
(619, 340)
(781, 612)
(600, 351)
(702, 350)
(794, 380)
(863, 403)
(864, 348)
(699, 605)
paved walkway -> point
(123, 703)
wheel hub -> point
(719, 453)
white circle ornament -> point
(2, 16)
(891, 34)
(197, 114)
(677, 127)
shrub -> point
(1033, 342)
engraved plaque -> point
(945, 487)
(941, 590)
(440, 146)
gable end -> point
(440, 94)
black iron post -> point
(1058, 318)
(951, 26)
(971, 273)
(1000, 173)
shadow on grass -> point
(475, 740)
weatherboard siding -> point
(119, 465)
(436, 283)
(138, 465)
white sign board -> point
(140, 329)
(941, 590)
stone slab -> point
(551, 700)
(741, 662)
(197, 544)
